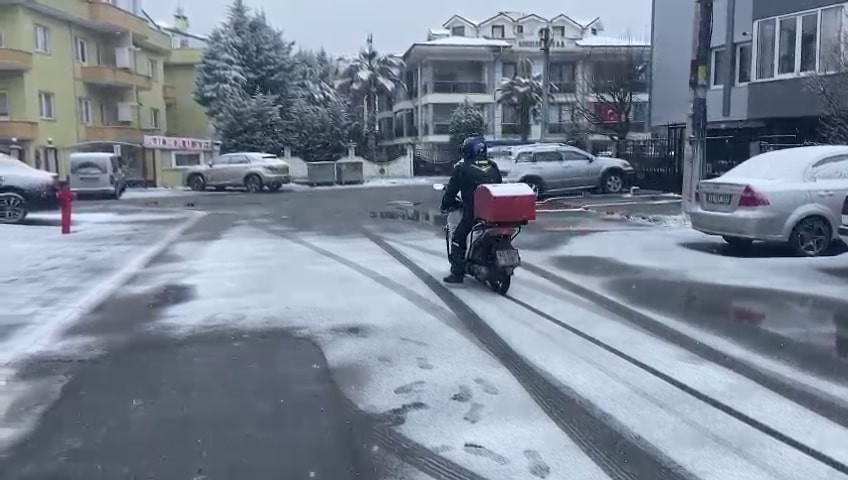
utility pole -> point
(696, 125)
(545, 38)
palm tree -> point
(524, 92)
(365, 78)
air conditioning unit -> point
(126, 112)
(124, 58)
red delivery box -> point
(505, 203)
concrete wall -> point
(671, 53)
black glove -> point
(449, 204)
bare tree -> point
(613, 77)
(830, 85)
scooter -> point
(490, 258)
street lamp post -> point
(545, 40)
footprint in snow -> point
(474, 413)
(538, 467)
(414, 342)
(424, 364)
(441, 449)
(486, 386)
(481, 451)
(464, 394)
(414, 387)
(384, 360)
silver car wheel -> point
(813, 237)
(614, 183)
(253, 184)
(12, 208)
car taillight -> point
(752, 198)
(845, 207)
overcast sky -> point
(341, 26)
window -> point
(743, 63)
(561, 113)
(238, 160)
(188, 159)
(2, 39)
(831, 39)
(42, 39)
(497, 31)
(519, 29)
(559, 31)
(718, 67)
(765, 48)
(562, 72)
(85, 111)
(458, 31)
(153, 68)
(787, 45)
(4, 105)
(47, 105)
(525, 157)
(509, 70)
(154, 118)
(809, 38)
(574, 156)
(833, 168)
(548, 156)
(640, 112)
(801, 43)
(81, 50)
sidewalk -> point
(50, 280)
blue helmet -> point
(474, 149)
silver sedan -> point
(793, 196)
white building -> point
(468, 59)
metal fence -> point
(658, 163)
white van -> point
(97, 173)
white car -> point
(843, 229)
(254, 171)
(795, 196)
(556, 168)
(24, 189)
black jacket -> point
(467, 176)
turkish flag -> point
(606, 113)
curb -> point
(37, 336)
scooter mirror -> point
(438, 186)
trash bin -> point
(321, 173)
(349, 171)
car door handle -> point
(826, 193)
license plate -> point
(718, 198)
(89, 179)
(508, 258)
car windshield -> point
(231, 245)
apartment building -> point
(762, 55)
(467, 59)
(83, 75)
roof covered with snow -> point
(463, 42)
(599, 41)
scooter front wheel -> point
(500, 284)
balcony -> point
(15, 60)
(185, 56)
(18, 129)
(116, 19)
(564, 87)
(113, 133)
(106, 76)
(169, 93)
(459, 87)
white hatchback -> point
(794, 196)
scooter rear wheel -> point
(500, 284)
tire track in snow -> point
(632, 459)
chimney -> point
(180, 20)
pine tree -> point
(465, 122)
(250, 124)
(220, 76)
(319, 132)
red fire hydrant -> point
(66, 200)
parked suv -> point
(24, 189)
(555, 168)
(251, 170)
(843, 229)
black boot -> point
(457, 260)
(454, 278)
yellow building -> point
(86, 75)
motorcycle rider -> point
(473, 170)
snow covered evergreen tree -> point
(250, 123)
(465, 122)
(319, 132)
(220, 77)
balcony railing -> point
(564, 87)
(18, 129)
(459, 87)
(441, 129)
(639, 86)
(15, 60)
